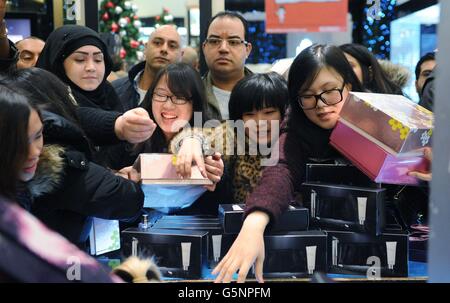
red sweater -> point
(275, 189)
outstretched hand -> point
(134, 126)
(247, 249)
(424, 176)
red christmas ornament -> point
(109, 5)
(122, 53)
(114, 27)
(165, 10)
(105, 17)
(134, 44)
(128, 19)
(135, 17)
(157, 18)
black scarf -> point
(306, 143)
(61, 43)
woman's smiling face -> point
(169, 116)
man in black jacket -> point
(163, 47)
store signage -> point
(284, 16)
(71, 11)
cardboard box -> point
(178, 253)
(377, 163)
(164, 190)
(293, 219)
(104, 236)
(371, 256)
(156, 168)
(391, 121)
(343, 207)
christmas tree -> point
(119, 17)
(164, 18)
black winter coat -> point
(129, 97)
(68, 190)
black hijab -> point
(61, 43)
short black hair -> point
(256, 92)
(229, 14)
(427, 57)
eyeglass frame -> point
(319, 96)
(186, 100)
(241, 41)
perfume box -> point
(339, 173)
(213, 229)
(294, 218)
(178, 253)
(380, 164)
(346, 208)
(104, 236)
(163, 189)
(372, 256)
(392, 121)
(294, 254)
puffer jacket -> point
(68, 189)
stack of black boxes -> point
(363, 238)
(191, 246)
(343, 228)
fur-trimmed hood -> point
(397, 73)
(49, 172)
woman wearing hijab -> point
(78, 56)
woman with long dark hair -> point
(320, 79)
(368, 70)
(68, 189)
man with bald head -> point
(163, 47)
(29, 50)
(190, 56)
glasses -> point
(233, 42)
(159, 97)
(329, 97)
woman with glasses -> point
(175, 95)
(320, 79)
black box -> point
(293, 219)
(189, 219)
(214, 231)
(345, 174)
(166, 246)
(348, 208)
(349, 253)
(286, 254)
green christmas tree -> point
(164, 18)
(119, 17)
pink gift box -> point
(377, 163)
(399, 124)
